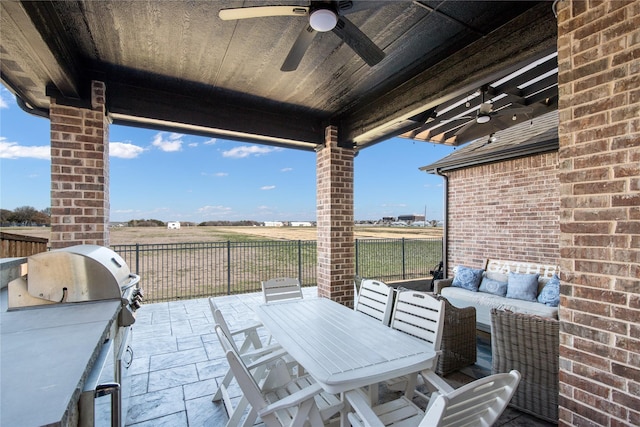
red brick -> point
(625, 200)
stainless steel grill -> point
(77, 274)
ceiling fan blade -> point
(261, 11)
(466, 127)
(453, 119)
(299, 48)
(358, 41)
(512, 111)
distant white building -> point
(173, 225)
(273, 224)
(301, 224)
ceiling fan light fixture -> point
(323, 20)
(483, 119)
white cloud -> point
(268, 187)
(248, 150)
(124, 150)
(4, 94)
(11, 150)
(286, 169)
(216, 174)
(210, 141)
(214, 210)
(192, 144)
(170, 144)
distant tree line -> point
(245, 223)
(25, 216)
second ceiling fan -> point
(322, 16)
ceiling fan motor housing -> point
(323, 20)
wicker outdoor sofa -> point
(531, 345)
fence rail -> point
(15, 245)
(174, 271)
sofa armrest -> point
(439, 284)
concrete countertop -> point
(46, 354)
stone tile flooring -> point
(178, 363)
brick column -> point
(599, 69)
(80, 171)
(336, 249)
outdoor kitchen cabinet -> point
(46, 355)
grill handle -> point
(112, 389)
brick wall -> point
(599, 86)
(80, 172)
(336, 251)
(507, 210)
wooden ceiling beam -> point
(531, 35)
(143, 107)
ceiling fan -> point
(486, 116)
(322, 16)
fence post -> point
(300, 261)
(404, 262)
(138, 258)
(228, 267)
(357, 269)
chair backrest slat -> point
(218, 320)
(419, 314)
(281, 288)
(479, 403)
(375, 299)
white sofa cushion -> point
(484, 302)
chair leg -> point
(236, 416)
(412, 382)
(224, 384)
(303, 412)
(251, 418)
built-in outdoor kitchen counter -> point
(46, 354)
(65, 329)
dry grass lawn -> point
(144, 235)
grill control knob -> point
(138, 293)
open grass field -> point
(145, 235)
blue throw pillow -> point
(550, 294)
(492, 286)
(523, 286)
(467, 278)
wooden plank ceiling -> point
(176, 65)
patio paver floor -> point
(178, 363)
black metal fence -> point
(174, 271)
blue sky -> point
(180, 177)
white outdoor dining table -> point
(340, 348)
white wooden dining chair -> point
(375, 299)
(252, 351)
(421, 315)
(280, 400)
(281, 288)
(478, 404)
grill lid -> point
(73, 274)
